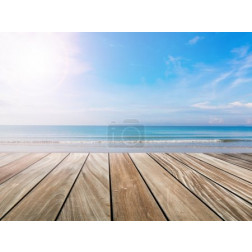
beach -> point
(125, 138)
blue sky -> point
(156, 78)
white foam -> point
(113, 142)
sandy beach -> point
(105, 147)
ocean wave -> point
(123, 142)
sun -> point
(34, 62)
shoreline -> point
(141, 148)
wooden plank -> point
(236, 185)
(89, 199)
(176, 200)
(10, 157)
(44, 202)
(225, 166)
(13, 168)
(131, 199)
(242, 157)
(13, 190)
(227, 205)
(232, 159)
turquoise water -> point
(127, 138)
(131, 133)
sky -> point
(97, 78)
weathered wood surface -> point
(90, 196)
(44, 201)
(9, 170)
(236, 185)
(13, 190)
(233, 160)
(130, 196)
(227, 205)
(242, 157)
(10, 157)
(225, 166)
(122, 186)
(175, 199)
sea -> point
(128, 138)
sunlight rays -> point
(35, 63)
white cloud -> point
(221, 78)
(243, 66)
(195, 40)
(241, 51)
(241, 105)
(204, 105)
(239, 81)
(216, 120)
(236, 104)
(174, 65)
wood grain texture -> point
(89, 199)
(242, 157)
(131, 199)
(44, 202)
(176, 200)
(43, 186)
(13, 190)
(227, 205)
(10, 157)
(13, 168)
(236, 185)
(232, 159)
(225, 166)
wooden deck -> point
(125, 187)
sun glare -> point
(34, 63)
